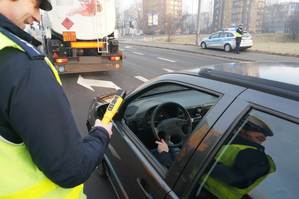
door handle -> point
(144, 188)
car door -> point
(277, 177)
(132, 165)
(221, 40)
(230, 39)
(213, 39)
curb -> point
(190, 51)
(250, 50)
(273, 53)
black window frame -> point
(209, 86)
(248, 100)
(143, 149)
(229, 134)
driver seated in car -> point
(164, 154)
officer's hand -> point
(107, 127)
(162, 146)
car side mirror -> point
(97, 109)
(100, 110)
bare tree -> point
(171, 26)
(183, 23)
(293, 26)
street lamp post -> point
(198, 23)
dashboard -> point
(139, 112)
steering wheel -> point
(175, 129)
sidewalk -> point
(245, 56)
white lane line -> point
(169, 60)
(137, 53)
(141, 78)
(168, 70)
(128, 47)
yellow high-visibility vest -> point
(238, 34)
(227, 156)
(20, 177)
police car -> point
(226, 40)
(232, 132)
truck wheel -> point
(227, 48)
(203, 45)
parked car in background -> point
(226, 40)
(202, 114)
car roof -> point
(223, 31)
(229, 29)
(276, 78)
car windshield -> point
(164, 89)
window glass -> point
(223, 34)
(229, 34)
(213, 36)
(259, 161)
(169, 112)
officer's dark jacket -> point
(250, 164)
(35, 110)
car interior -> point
(169, 111)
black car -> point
(232, 132)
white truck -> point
(79, 36)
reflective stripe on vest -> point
(238, 34)
(227, 156)
(52, 67)
(7, 42)
(20, 177)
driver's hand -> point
(162, 146)
(107, 127)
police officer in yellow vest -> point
(242, 165)
(42, 152)
(239, 33)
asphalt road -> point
(140, 64)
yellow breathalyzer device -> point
(113, 106)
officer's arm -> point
(249, 165)
(41, 115)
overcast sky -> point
(190, 6)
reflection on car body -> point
(235, 127)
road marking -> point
(128, 46)
(169, 60)
(137, 53)
(141, 78)
(168, 70)
(88, 83)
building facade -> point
(228, 13)
(249, 13)
(276, 16)
(157, 12)
(222, 14)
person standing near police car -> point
(239, 33)
(42, 152)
